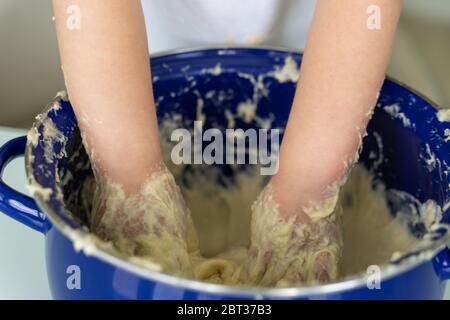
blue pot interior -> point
(413, 156)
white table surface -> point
(22, 253)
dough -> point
(304, 248)
(153, 223)
(203, 230)
(234, 247)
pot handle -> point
(13, 203)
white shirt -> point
(173, 24)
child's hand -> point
(342, 72)
(154, 223)
(295, 248)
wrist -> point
(128, 160)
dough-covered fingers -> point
(154, 222)
(294, 250)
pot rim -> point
(351, 282)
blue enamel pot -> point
(415, 156)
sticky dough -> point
(212, 235)
(153, 223)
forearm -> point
(342, 72)
(107, 74)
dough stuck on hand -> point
(284, 251)
(154, 223)
(246, 246)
